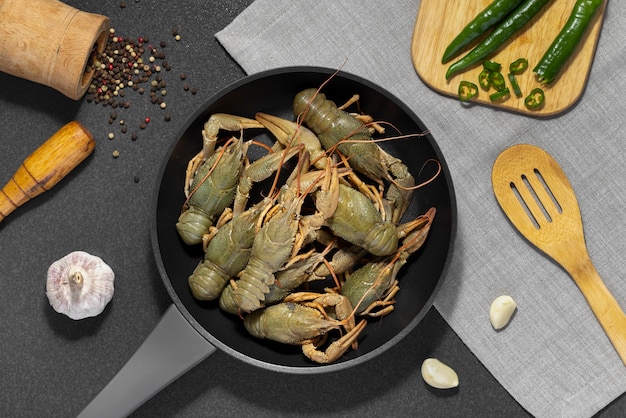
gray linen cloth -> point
(553, 357)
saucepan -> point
(191, 330)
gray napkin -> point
(553, 357)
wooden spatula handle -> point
(46, 166)
(603, 304)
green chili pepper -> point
(515, 85)
(496, 79)
(483, 79)
(535, 99)
(467, 91)
(518, 66)
(500, 95)
(485, 20)
(566, 41)
(505, 29)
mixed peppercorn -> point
(131, 66)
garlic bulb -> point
(79, 285)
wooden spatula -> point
(538, 199)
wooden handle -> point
(46, 166)
(603, 304)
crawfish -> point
(212, 190)
(340, 129)
(271, 248)
(296, 272)
(212, 177)
(227, 253)
(282, 236)
(356, 219)
(372, 287)
(302, 320)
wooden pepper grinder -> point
(46, 166)
(51, 43)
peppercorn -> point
(127, 63)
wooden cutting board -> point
(439, 21)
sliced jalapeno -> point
(535, 99)
(492, 65)
(483, 79)
(467, 91)
(500, 95)
(515, 85)
(518, 66)
(497, 80)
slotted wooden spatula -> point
(538, 199)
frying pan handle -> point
(172, 348)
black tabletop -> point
(53, 366)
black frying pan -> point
(201, 325)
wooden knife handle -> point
(46, 166)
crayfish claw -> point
(416, 231)
(336, 349)
(223, 121)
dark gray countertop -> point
(53, 366)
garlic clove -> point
(438, 374)
(501, 310)
(79, 285)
